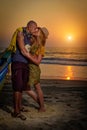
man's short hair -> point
(31, 22)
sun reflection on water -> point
(69, 73)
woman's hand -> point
(35, 59)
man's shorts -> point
(20, 76)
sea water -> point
(65, 63)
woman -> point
(35, 55)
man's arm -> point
(20, 41)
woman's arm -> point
(35, 59)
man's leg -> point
(17, 83)
(17, 100)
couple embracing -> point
(28, 47)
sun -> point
(68, 78)
(69, 38)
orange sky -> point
(61, 17)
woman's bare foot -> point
(42, 109)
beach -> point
(65, 102)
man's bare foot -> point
(41, 110)
(23, 109)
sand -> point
(65, 102)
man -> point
(20, 71)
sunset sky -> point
(66, 20)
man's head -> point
(32, 27)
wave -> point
(67, 53)
(65, 61)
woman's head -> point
(45, 31)
(42, 35)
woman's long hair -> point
(41, 39)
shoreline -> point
(54, 78)
(61, 78)
(61, 72)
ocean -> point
(65, 63)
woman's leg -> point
(40, 97)
(33, 95)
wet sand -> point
(65, 102)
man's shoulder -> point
(19, 31)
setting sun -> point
(68, 78)
(69, 38)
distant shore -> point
(65, 103)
